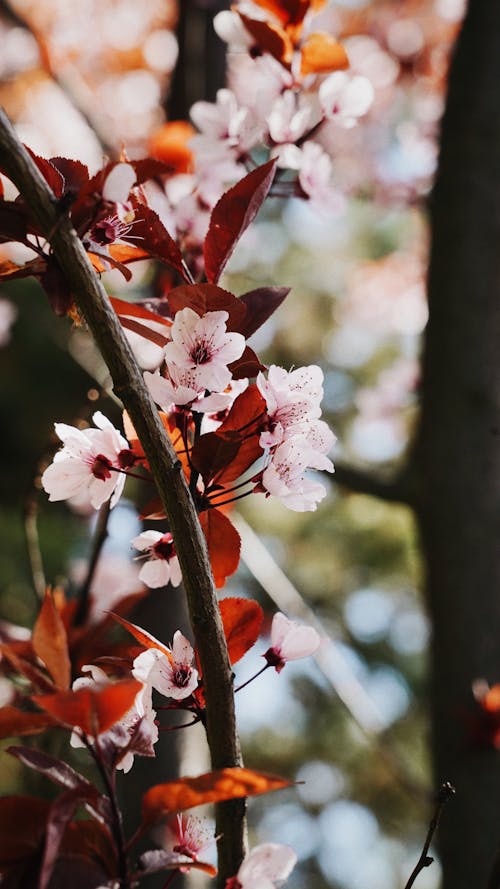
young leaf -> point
(212, 787)
(261, 303)
(94, 711)
(242, 621)
(270, 38)
(223, 542)
(232, 214)
(154, 238)
(246, 366)
(142, 636)
(50, 642)
(321, 53)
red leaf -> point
(94, 711)
(147, 332)
(247, 411)
(270, 38)
(61, 813)
(223, 542)
(49, 172)
(75, 174)
(154, 238)
(15, 722)
(149, 168)
(261, 303)
(208, 298)
(232, 214)
(211, 453)
(287, 11)
(134, 310)
(248, 453)
(248, 365)
(242, 621)
(212, 787)
(22, 825)
(50, 642)
(142, 636)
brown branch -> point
(445, 792)
(166, 469)
(398, 488)
(99, 539)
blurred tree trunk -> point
(458, 448)
(200, 70)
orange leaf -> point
(169, 144)
(50, 642)
(173, 433)
(242, 620)
(322, 53)
(92, 710)
(212, 787)
(288, 12)
(15, 722)
(142, 636)
(223, 542)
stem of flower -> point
(117, 825)
(231, 500)
(248, 681)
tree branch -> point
(166, 469)
(397, 488)
(445, 792)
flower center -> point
(182, 675)
(164, 549)
(201, 353)
(101, 467)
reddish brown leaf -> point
(248, 365)
(94, 711)
(242, 621)
(134, 310)
(270, 38)
(261, 303)
(288, 11)
(212, 787)
(321, 53)
(247, 412)
(92, 839)
(232, 214)
(149, 168)
(22, 825)
(74, 173)
(147, 332)
(211, 453)
(22, 664)
(49, 172)
(223, 542)
(9, 270)
(61, 813)
(154, 238)
(15, 722)
(208, 298)
(50, 642)
(142, 636)
(249, 451)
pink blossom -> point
(189, 836)
(284, 475)
(292, 116)
(290, 641)
(161, 565)
(265, 867)
(344, 98)
(119, 733)
(225, 126)
(169, 671)
(202, 344)
(90, 463)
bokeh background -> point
(82, 79)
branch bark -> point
(397, 488)
(166, 469)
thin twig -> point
(166, 469)
(100, 535)
(445, 792)
(33, 546)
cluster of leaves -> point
(45, 839)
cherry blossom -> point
(292, 400)
(139, 721)
(344, 98)
(162, 565)
(292, 116)
(189, 836)
(225, 126)
(290, 641)
(284, 475)
(91, 462)
(169, 671)
(202, 344)
(265, 867)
